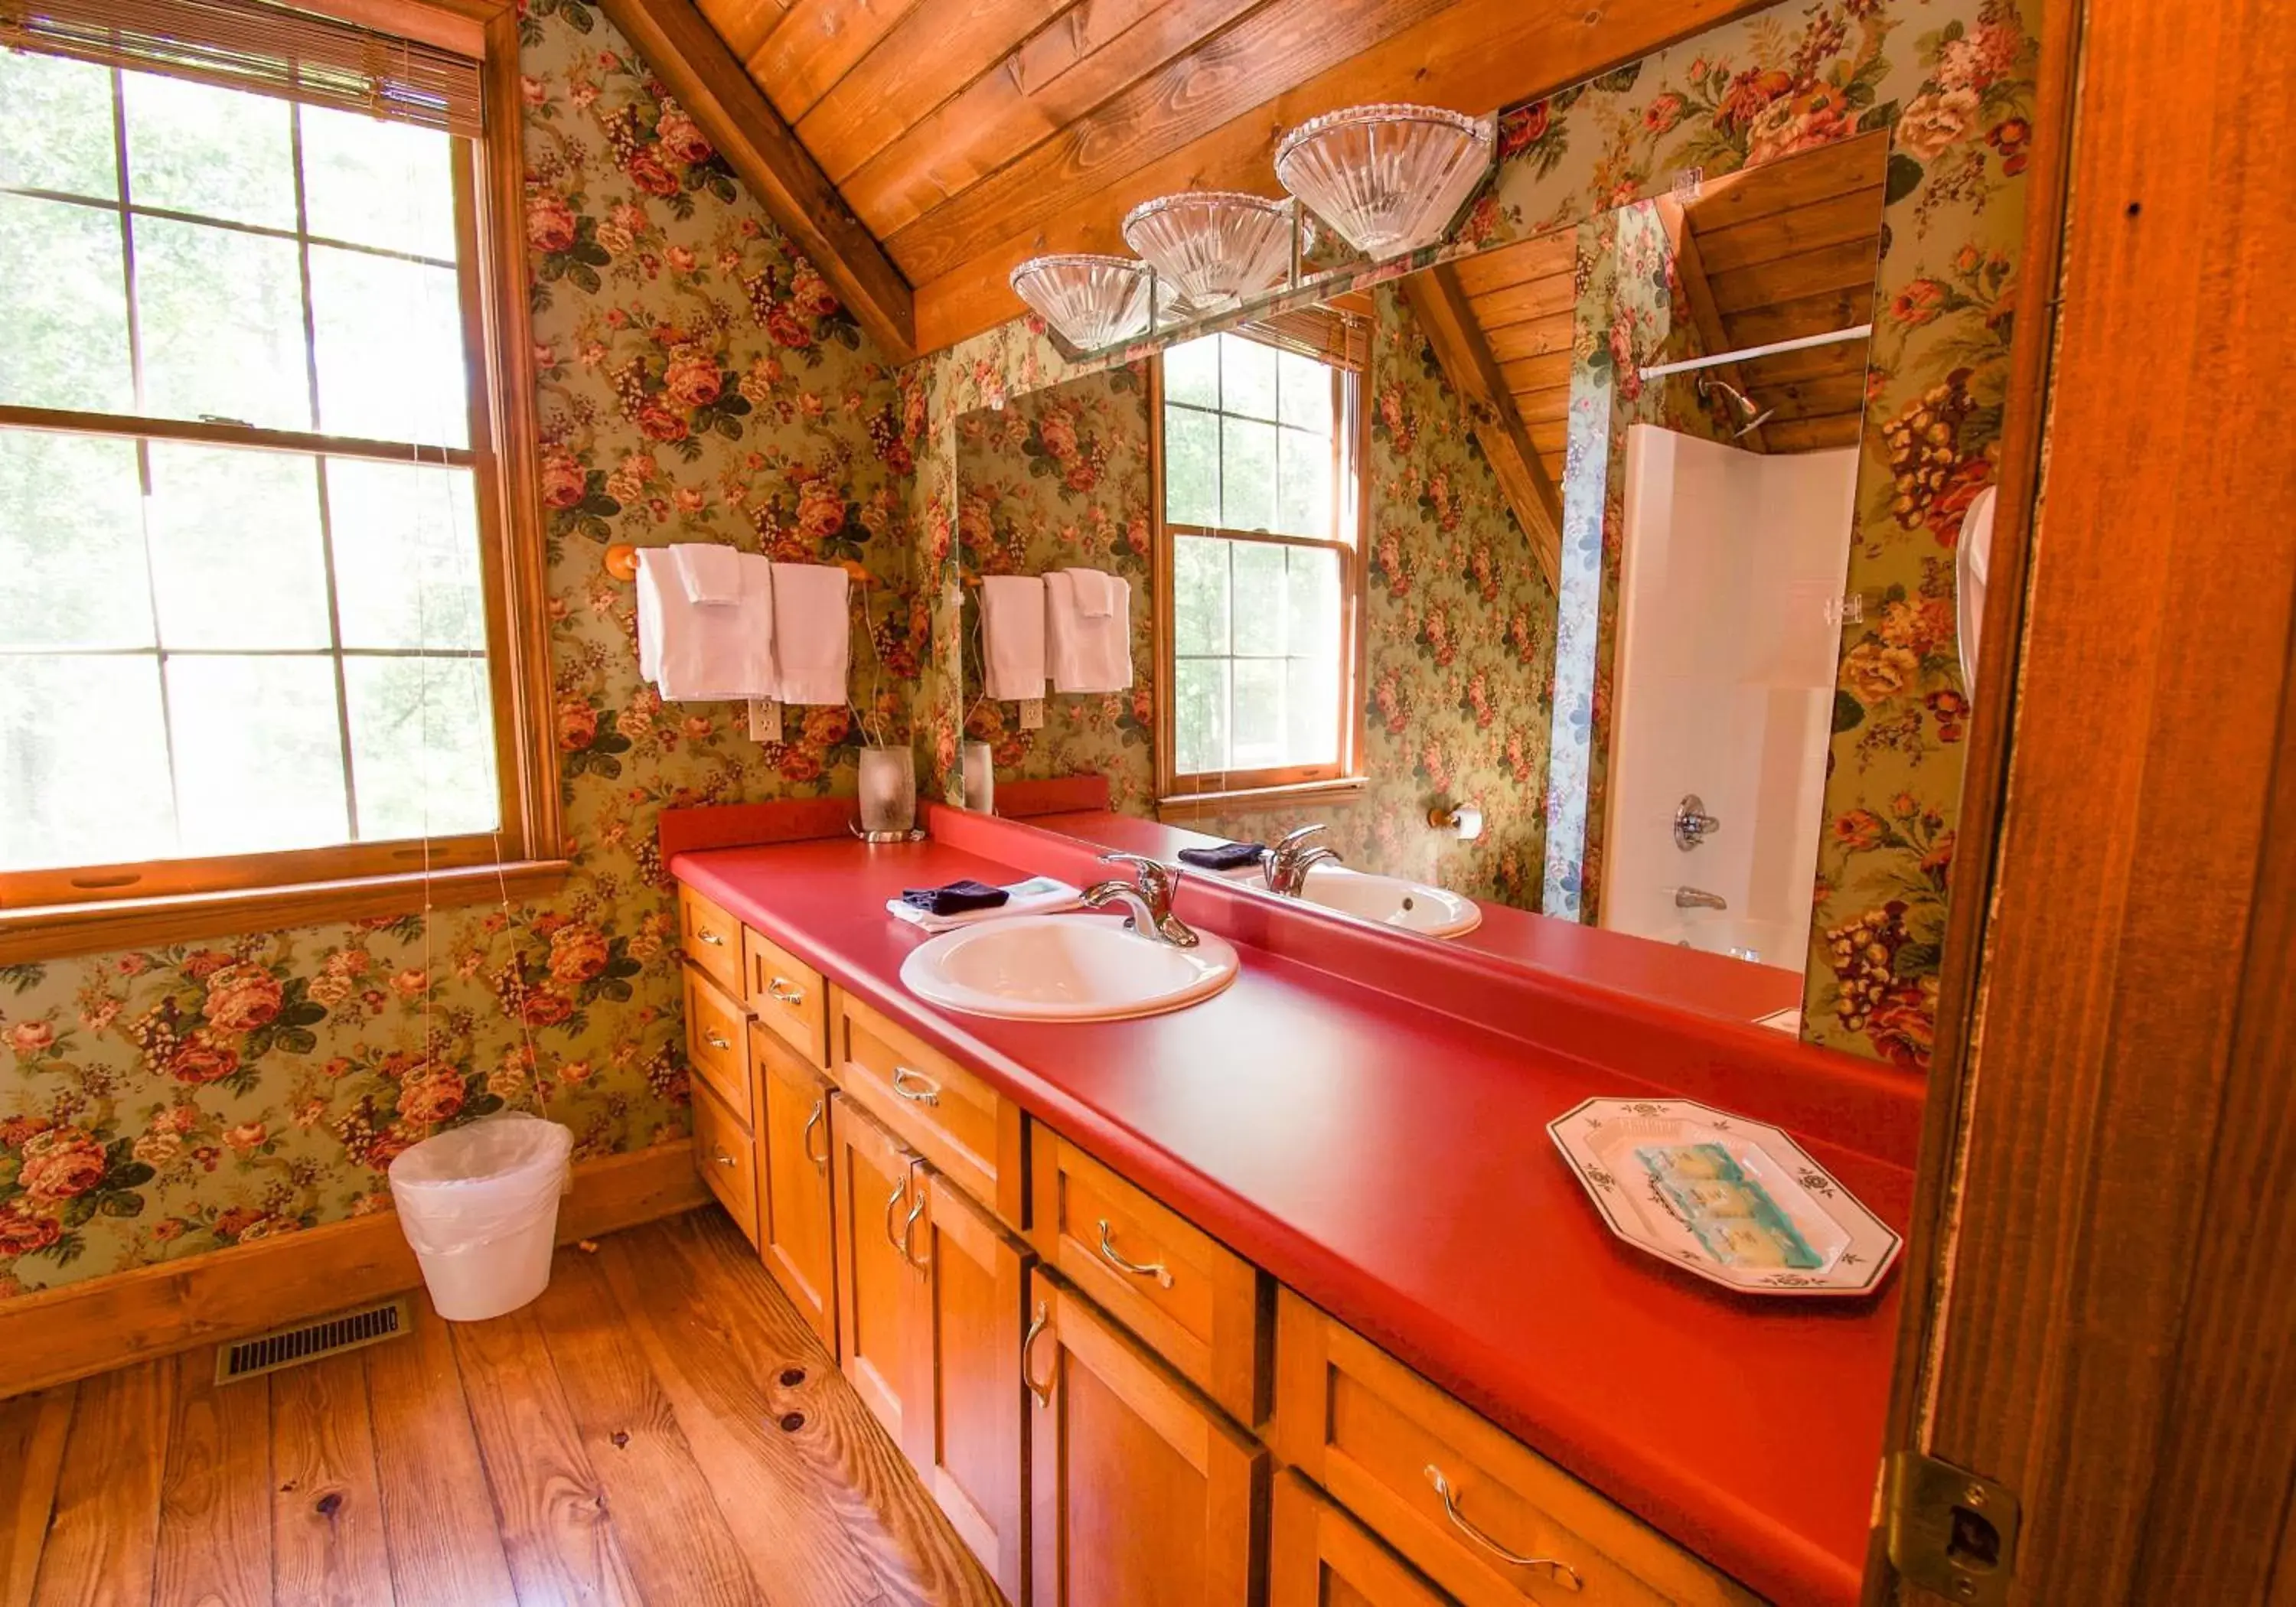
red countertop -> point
(1713, 984)
(1363, 1116)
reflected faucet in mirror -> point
(1149, 900)
(1693, 897)
(1285, 869)
(1692, 823)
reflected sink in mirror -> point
(1064, 968)
(1412, 907)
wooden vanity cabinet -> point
(795, 1236)
(880, 1311)
(1318, 1556)
(1141, 1493)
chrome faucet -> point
(1692, 823)
(1285, 869)
(1692, 897)
(1150, 900)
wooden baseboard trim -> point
(91, 1327)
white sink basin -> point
(1412, 907)
(1064, 968)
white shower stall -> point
(1729, 625)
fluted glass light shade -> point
(1389, 178)
(1215, 247)
(1093, 301)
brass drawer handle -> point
(805, 1138)
(709, 937)
(1037, 1323)
(1564, 1574)
(784, 991)
(926, 1092)
(716, 1040)
(723, 1159)
(1152, 1269)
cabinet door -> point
(1317, 1556)
(1141, 1493)
(793, 1216)
(968, 1431)
(881, 1296)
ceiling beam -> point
(1448, 322)
(1705, 315)
(678, 44)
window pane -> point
(378, 184)
(407, 556)
(1260, 616)
(1247, 377)
(72, 543)
(57, 134)
(259, 753)
(236, 559)
(391, 349)
(216, 152)
(83, 762)
(1259, 739)
(63, 303)
(1305, 479)
(1199, 595)
(1247, 475)
(1192, 467)
(1311, 708)
(1200, 705)
(1191, 373)
(1305, 388)
(422, 746)
(221, 316)
(1312, 604)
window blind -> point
(1342, 339)
(264, 49)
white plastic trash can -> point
(479, 1205)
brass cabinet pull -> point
(709, 937)
(909, 1223)
(723, 1159)
(926, 1092)
(1152, 1269)
(784, 991)
(715, 1040)
(892, 1199)
(1564, 1574)
(1037, 1323)
(805, 1138)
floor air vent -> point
(264, 1353)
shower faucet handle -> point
(1692, 823)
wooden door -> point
(1141, 1493)
(967, 1428)
(793, 1197)
(881, 1304)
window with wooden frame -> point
(274, 644)
(1258, 461)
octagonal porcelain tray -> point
(1599, 1138)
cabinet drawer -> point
(728, 1162)
(1377, 1436)
(1198, 1304)
(789, 996)
(1318, 1556)
(965, 1128)
(711, 938)
(717, 1040)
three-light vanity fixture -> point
(1386, 179)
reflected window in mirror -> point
(1259, 466)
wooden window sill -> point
(1251, 800)
(54, 931)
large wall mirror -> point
(1608, 597)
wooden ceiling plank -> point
(743, 24)
(1836, 220)
(1705, 317)
(1537, 373)
(1804, 315)
(1224, 77)
(678, 44)
(1533, 338)
(1448, 323)
(816, 45)
(1473, 54)
(1856, 163)
(1535, 407)
(1546, 255)
(1811, 398)
(1815, 435)
(1810, 273)
(1810, 363)
(1533, 301)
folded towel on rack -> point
(1096, 592)
(1013, 636)
(813, 634)
(1036, 896)
(1087, 652)
(957, 898)
(711, 573)
(699, 651)
(1227, 857)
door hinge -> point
(1951, 1531)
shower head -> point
(1754, 417)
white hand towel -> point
(813, 637)
(697, 652)
(1088, 653)
(1096, 592)
(711, 573)
(1013, 636)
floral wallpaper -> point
(696, 381)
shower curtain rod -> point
(1856, 333)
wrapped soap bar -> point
(1731, 1213)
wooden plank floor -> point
(661, 1427)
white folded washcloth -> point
(711, 573)
(1087, 652)
(703, 652)
(1096, 592)
(813, 637)
(1013, 636)
(1038, 896)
